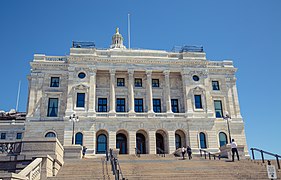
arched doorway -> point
(79, 138)
(141, 143)
(121, 143)
(178, 141)
(159, 143)
(222, 138)
(101, 144)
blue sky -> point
(248, 32)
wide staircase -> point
(152, 167)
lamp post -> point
(227, 117)
(74, 119)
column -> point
(131, 93)
(112, 140)
(149, 92)
(236, 102)
(168, 92)
(132, 142)
(70, 95)
(152, 142)
(187, 96)
(112, 111)
(209, 100)
(92, 94)
(171, 139)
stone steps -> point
(152, 167)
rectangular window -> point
(3, 135)
(102, 105)
(53, 107)
(198, 101)
(138, 105)
(138, 82)
(175, 105)
(218, 108)
(215, 85)
(155, 82)
(157, 105)
(120, 82)
(80, 100)
(55, 82)
(19, 135)
(120, 105)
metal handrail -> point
(268, 153)
(115, 166)
(162, 152)
(209, 154)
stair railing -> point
(265, 152)
(115, 166)
(161, 152)
(209, 154)
(137, 152)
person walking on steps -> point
(183, 152)
(234, 150)
(189, 152)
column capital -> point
(112, 71)
(166, 72)
(148, 72)
(130, 72)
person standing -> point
(84, 151)
(183, 152)
(189, 152)
(234, 150)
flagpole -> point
(129, 32)
(18, 96)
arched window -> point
(222, 138)
(101, 144)
(79, 138)
(202, 137)
(178, 141)
(50, 135)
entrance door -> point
(178, 141)
(141, 143)
(159, 143)
(121, 143)
(101, 144)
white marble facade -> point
(147, 130)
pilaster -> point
(149, 93)
(112, 111)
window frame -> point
(175, 105)
(120, 82)
(138, 84)
(216, 84)
(3, 135)
(155, 83)
(120, 107)
(78, 105)
(52, 81)
(19, 134)
(221, 109)
(157, 107)
(200, 102)
(138, 105)
(102, 105)
(56, 108)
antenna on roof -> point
(18, 97)
(129, 32)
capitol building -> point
(152, 101)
